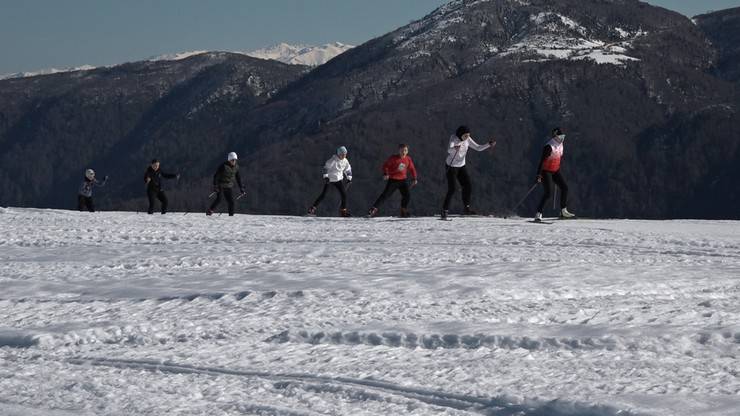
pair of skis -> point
(240, 196)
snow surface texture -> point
(122, 313)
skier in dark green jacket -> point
(223, 183)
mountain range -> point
(648, 99)
(290, 54)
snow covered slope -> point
(124, 313)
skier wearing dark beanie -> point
(457, 149)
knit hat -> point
(461, 131)
(341, 150)
(232, 156)
(89, 174)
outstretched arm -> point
(478, 147)
(169, 175)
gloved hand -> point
(326, 180)
(349, 179)
(105, 178)
(216, 189)
(242, 191)
(177, 176)
(539, 178)
(386, 177)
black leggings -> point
(547, 179)
(154, 194)
(342, 192)
(85, 201)
(390, 188)
(457, 174)
(228, 195)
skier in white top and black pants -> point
(455, 165)
(336, 170)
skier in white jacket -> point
(336, 170)
(457, 149)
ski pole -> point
(212, 194)
(241, 195)
(525, 196)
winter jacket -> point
(456, 155)
(335, 169)
(396, 167)
(155, 178)
(552, 154)
(86, 187)
(225, 176)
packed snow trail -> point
(124, 313)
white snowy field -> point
(127, 314)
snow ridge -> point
(49, 71)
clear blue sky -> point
(38, 34)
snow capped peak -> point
(301, 54)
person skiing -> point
(548, 171)
(336, 169)
(84, 195)
(457, 149)
(223, 183)
(395, 174)
(154, 190)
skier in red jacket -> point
(395, 172)
(549, 172)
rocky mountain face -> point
(649, 111)
(723, 30)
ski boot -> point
(311, 211)
(344, 212)
(372, 212)
(405, 213)
(538, 217)
(209, 212)
(565, 214)
(469, 211)
(443, 215)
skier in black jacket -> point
(223, 182)
(154, 190)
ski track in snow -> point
(124, 313)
